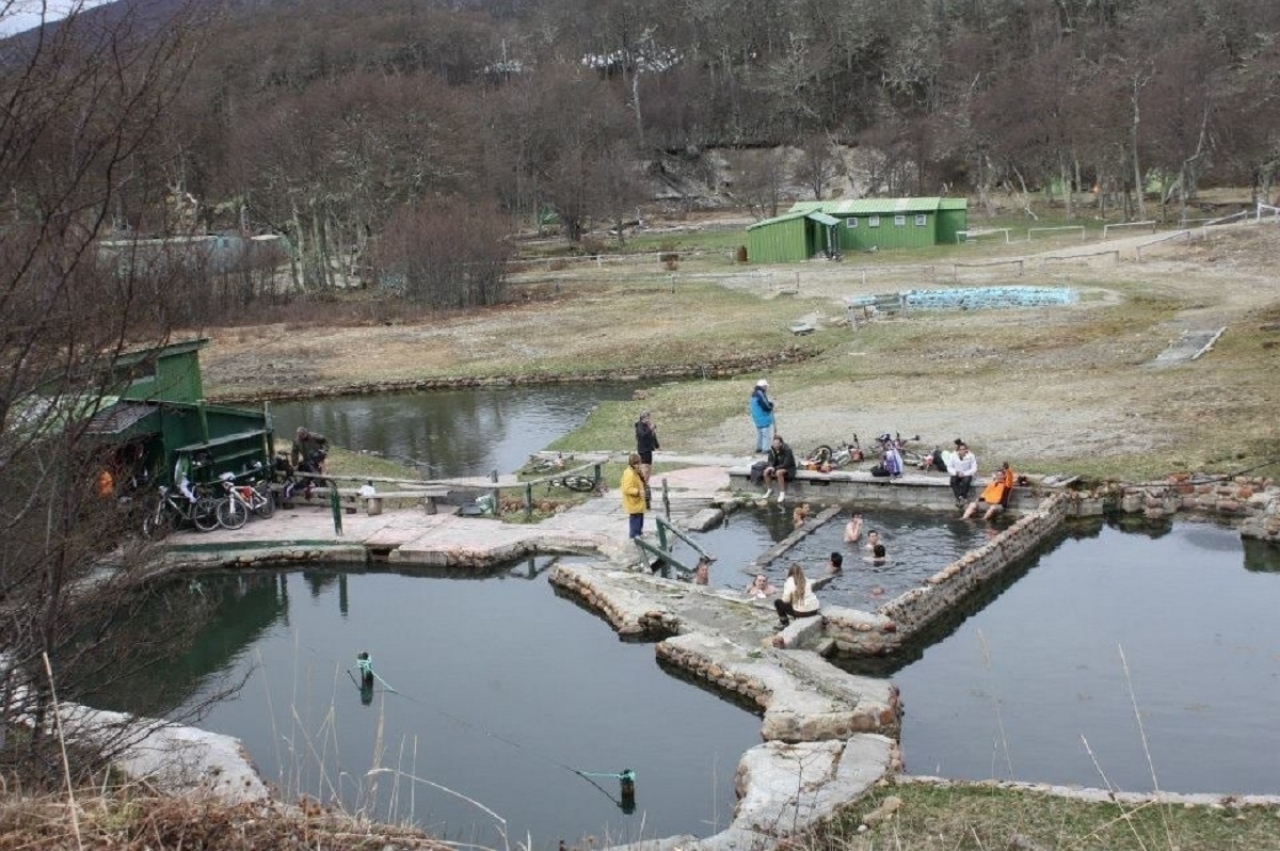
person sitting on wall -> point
(309, 446)
(781, 468)
(797, 599)
(996, 494)
(963, 467)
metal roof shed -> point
(869, 224)
(792, 236)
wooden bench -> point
(373, 504)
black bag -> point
(757, 472)
(880, 472)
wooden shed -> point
(822, 228)
(158, 413)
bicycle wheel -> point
(821, 455)
(204, 514)
(232, 514)
(264, 504)
(157, 520)
(581, 484)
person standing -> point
(963, 467)
(761, 407)
(632, 487)
(646, 445)
(798, 599)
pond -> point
(450, 433)
(499, 691)
(1155, 657)
(918, 544)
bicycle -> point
(170, 508)
(243, 500)
(841, 456)
(910, 457)
(581, 484)
(539, 464)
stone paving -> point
(828, 735)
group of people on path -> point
(797, 598)
(636, 493)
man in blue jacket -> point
(761, 408)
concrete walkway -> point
(828, 735)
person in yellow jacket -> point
(632, 488)
(996, 495)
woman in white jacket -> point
(798, 599)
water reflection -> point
(495, 688)
(453, 432)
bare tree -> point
(449, 255)
(817, 166)
(81, 105)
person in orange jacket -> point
(996, 495)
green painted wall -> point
(781, 240)
(886, 231)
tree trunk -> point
(1139, 189)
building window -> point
(899, 221)
(922, 220)
(851, 222)
(873, 221)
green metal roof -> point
(873, 206)
(954, 204)
(823, 218)
(785, 217)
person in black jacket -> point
(646, 444)
(781, 468)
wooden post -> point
(335, 503)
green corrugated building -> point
(158, 413)
(817, 228)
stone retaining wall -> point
(913, 490)
(1252, 501)
(904, 617)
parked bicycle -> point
(582, 484)
(541, 464)
(241, 501)
(911, 457)
(842, 455)
(169, 508)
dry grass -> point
(980, 817)
(1051, 390)
(136, 819)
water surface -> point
(1157, 656)
(501, 690)
(447, 433)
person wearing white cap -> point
(761, 407)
